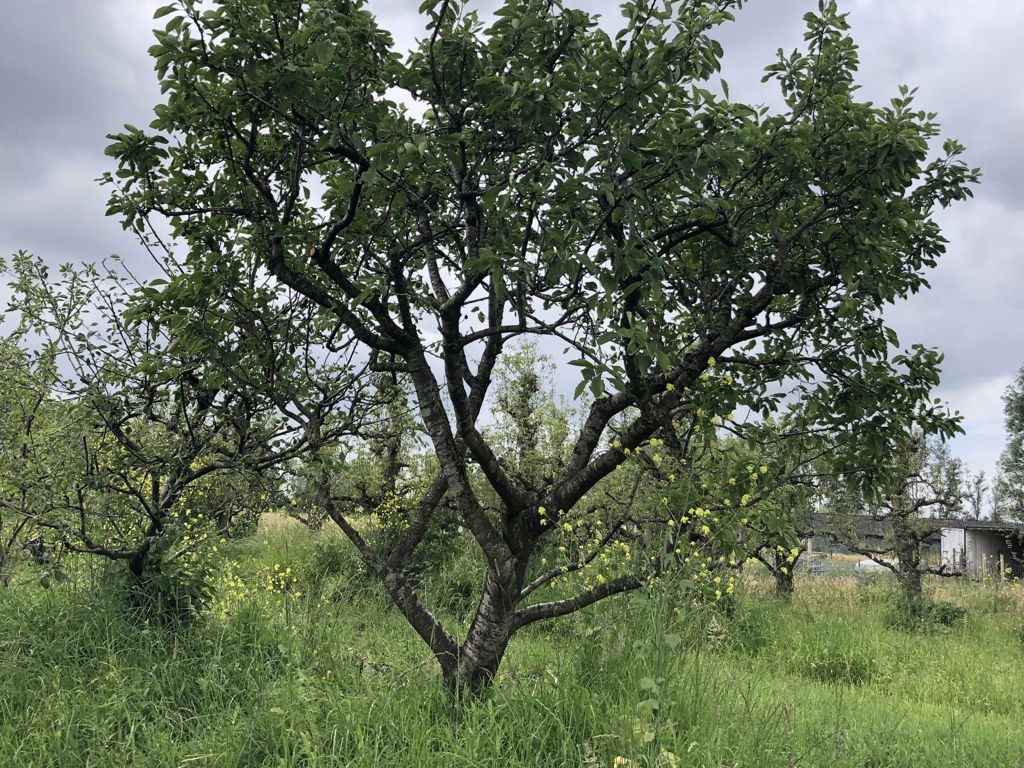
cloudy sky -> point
(72, 71)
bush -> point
(750, 628)
(168, 591)
(921, 614)
(843, 664)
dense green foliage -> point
(318, 670)
(538, 176)
(1009, 488)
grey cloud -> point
(973, 312)
(72, 72)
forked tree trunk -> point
(486, 642)
(478, 662)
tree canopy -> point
(537, 176)
(1009, 488)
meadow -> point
(299, 661)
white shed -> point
(979, 548)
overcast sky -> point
(72, 71)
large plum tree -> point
(537, 176)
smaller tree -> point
(147, 454)
(781, 553)
(532, 428)
(922, 483)
(1008, 492)
(974, 495)
(784, 515)
(25, 418)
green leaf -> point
(323, 51)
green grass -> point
(335, 678)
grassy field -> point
(293, 668)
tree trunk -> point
(486, 642)
(137, 565)
(910, 581)
(478, 663)
(784, 583)
(908, 557)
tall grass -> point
(317, 670)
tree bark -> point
(908, 557)
(486, 642)
(137, 565)
(910, 581)
(783, 583)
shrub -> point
(750, 630)
(842, 664)
(169, 590)
(921, 614)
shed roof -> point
(1005, 526)
(877, 527)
